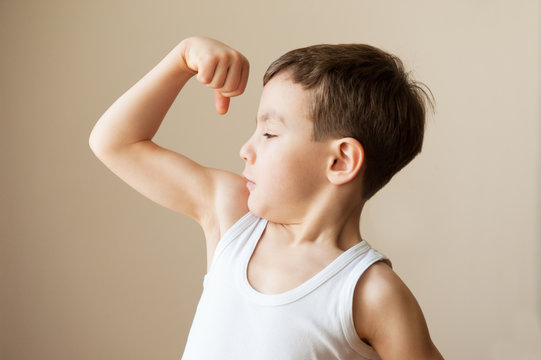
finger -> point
(243, 80)
(220, 75)
(221, 102)
(244, 77)
(205, 72)
(233, 79)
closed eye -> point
(268, 136)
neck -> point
(331, 221)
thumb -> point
(221, 102)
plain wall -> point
(90, 269)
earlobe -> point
(347, 160)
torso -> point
(275, 267)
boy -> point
(289, 276)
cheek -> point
(293, 177)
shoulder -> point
(387, 315)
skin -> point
(304, 189)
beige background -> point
(90, 269)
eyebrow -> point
(270, 116)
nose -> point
(247, 152)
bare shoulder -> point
(230, 204)
(387, 316)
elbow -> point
(97, 145)
(93, 143)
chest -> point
(275, 268)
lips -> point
(249, 183)
(246, 178)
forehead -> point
(284, 102)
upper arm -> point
(388, 316)
(214, 198)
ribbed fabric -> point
(311, 321)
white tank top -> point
(311, 321)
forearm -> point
(138, 113)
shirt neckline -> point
(301, 290)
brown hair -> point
(362, 92)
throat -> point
(276, 268)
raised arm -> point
(122, 137)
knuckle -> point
(203, 78)
(236, 56)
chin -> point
(273, 212)
(258, 209)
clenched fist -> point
(218, 66)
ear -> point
(347, 158)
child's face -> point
(285, 167)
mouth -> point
(249, 183)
